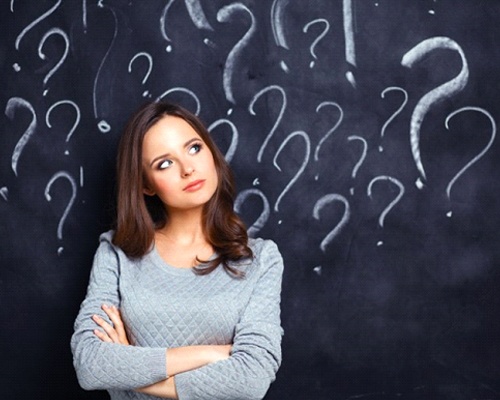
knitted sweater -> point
(165, 307)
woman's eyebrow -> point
(195, 139)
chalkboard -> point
(362, 134)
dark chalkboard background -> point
(387, 220)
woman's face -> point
(178, 166)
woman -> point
(180, 303)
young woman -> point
(180, 302)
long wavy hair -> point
(139, 215)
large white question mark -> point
(278, 119)
(277, 23)
(183, 90)
(396, 113)
(77, 117)
(478, 156)
(148, 57)
(263, 217)
(278, 26)
(103, 125)
(62, 175)
(323, 201)
(53, 31)
(225, 14)
(361, 158)
(396, 200)
(350, 48)
(234, 138)
(330, 131)
(298, 134)
(320, 36)
(12, 105)
(435, 96)
(197, 14)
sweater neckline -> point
(161, 263)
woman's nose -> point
(187, 170)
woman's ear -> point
(146, 189)
(148, 192)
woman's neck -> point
(184, 227)
(182, 242)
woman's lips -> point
(194, 186)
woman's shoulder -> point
(259, 244)
(265, 252)
(107, 236)
(105, 244)
(106, 240)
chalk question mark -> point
(13, 104)
(301, 169)
(320, 36)
(278, 119)
(396, 113)
(263, 217)
(196, 13)
(435, 96)
(103, 125)
(234, 138)
(361, 158)
(225, 14)
(333, 129)
(350, 48)
(478, 156)
(53, 31)
(320, 204)
(77, 117)
(148, 72)
(183, 90)
(396, 200)
(67, 176)
(278, 26)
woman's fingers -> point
(109, 331)
(103, 336)
(114, 314)
(115, 332)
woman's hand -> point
(112, 333)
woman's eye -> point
(164, 164)
(195, 148)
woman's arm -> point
(180, 359)
(256, 352)
(164, 389)
(102, 364)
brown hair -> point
(139, 215)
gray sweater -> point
(164, 307)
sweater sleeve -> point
(256, 353)
(101, 365)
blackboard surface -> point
(363, 137)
